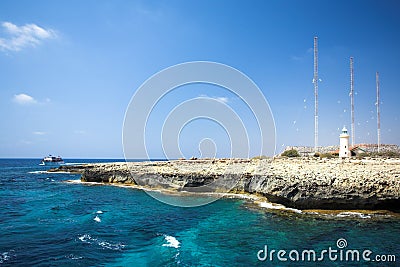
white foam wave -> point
(41, 172)
(5, 256)
(97, 219)
(86, 238)
(274, 206)
(241, 196)
(353, 214)
(111, 246)
(73, 257)
(73, 181)
(99, 212)
(171, 242)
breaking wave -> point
(171, 242)
(86, 238)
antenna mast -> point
(315, 81)
(352, 101)
(378, 113)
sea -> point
(47, 221)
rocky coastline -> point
(301, 183)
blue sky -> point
(69, 68)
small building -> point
(356, 150)
(344, 149)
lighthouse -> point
(344, 150)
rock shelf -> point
(301, 183)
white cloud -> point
(25, 142)
(39, 133)
(20, 37)
(222, 99)
(24, 99)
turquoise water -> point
(45, 221)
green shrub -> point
(291, 153)
(385, 154)
(326, 155)
(388, 154)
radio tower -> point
(315, 81)
(352, 101)
(378, 113)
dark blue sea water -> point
(45, 221)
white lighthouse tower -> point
(344, 150)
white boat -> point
(52, 160)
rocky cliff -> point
(304, 183)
